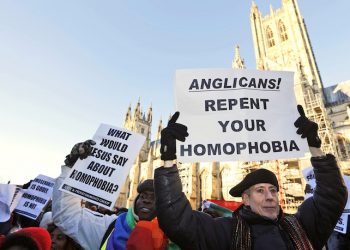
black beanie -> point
(146, 185)
(258, 176)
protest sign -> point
(237, 115)
(16, 198)
(36, 197)
(9, 197)
(99, 177)
(347, 183)
(310, 180)
(342, 224)
(309, 176)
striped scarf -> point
(242, 236)
(130, 234)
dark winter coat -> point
(196, 230)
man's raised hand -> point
(80, 150)
(307, 129)
(174, 131)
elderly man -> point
(259, 223)
(135, 229)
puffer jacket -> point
(195, 230)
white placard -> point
(309, 176)
(7, 192)
(342, 224)
(310, 180)
(99, 177)
(36, 197)
(347, 183)
(16, 198)
(237, 115)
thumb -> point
(174, 118)
(301, 111)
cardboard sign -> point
(342, 224)
(9, 197)
(347, 183)
(98, 178)
(237, 115)
(36, 197)
(309, 176)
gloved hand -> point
(174, 131)
(26, 185)
(80, 150)
(307, 128)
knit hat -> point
(146, 185)
(258, 176)
(41, 236)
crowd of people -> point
(161, 216)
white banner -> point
(7, 192)
(99, 177)
(237, 115)
(309, 176)
(36, 197)
(342, 224)
(310, 180)
(347, 183)
(16, 198)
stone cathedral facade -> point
(281, 42)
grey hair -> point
(247, 192)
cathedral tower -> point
(141, 123)
(281, 41)
(238, 62)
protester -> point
(135, 229)
(30, 238)
(60, 241)
(259, 223)
(91, 206)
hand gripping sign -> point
(98, 178)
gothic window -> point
(283, 31)
(142, 130)
(270, 40)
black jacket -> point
(196, 230)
